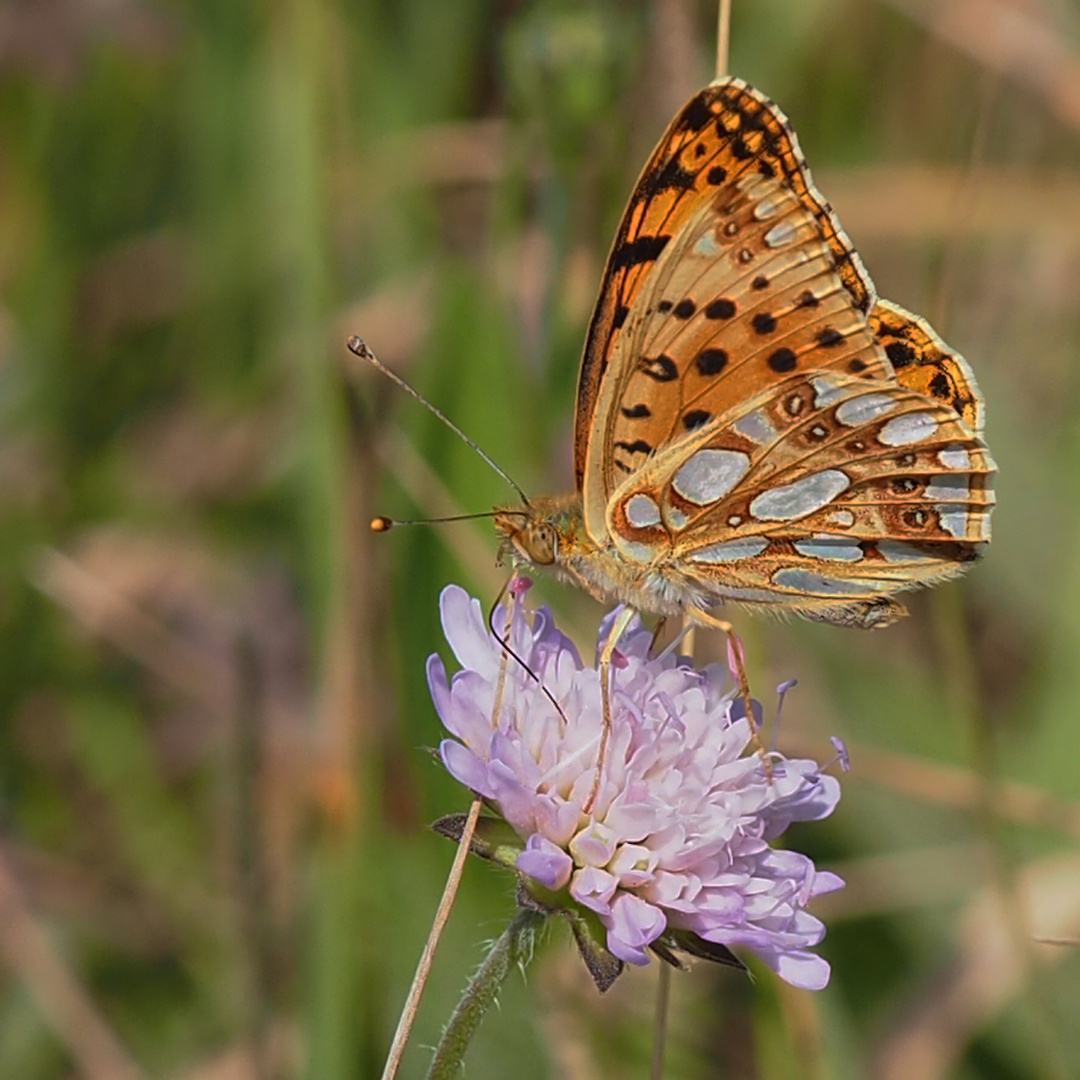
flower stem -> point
(660, 1021)
(723, 37)
(423, 967)
(514, 947)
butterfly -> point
(754, 426)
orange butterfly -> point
(754, 426)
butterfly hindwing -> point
(923, 362)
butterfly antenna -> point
(505, 643)
(360, 349)
(385, 524)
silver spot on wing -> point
(859, 410)
(780, 234)
(806, 581)
(675, 517)
(642, 511)
(757, 427)
(955, 457)
(828, 388)
(907, 429)
(896, 552)
(835, 548)
(953, 520)
(730, 550)
(709, 475)
(801, 498)
(707, 245)
(952, 488)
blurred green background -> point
(214, 787)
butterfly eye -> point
(541, 543)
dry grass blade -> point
(65, 1004)
(1012, 40)
(905, 880)
(919, 202)
(988, 971)
(946, 785)
(107, 613)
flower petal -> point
(634, 924)
(545, 862)
(465, 767)
(680, 820)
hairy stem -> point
(515, 947)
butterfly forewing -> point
(726, 133)
(746, 298)
(744, 423)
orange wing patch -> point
(726, 133)
(745, 298)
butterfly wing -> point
(923, 362)
(726, 133)
(752, 420)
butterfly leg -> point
(622, 621)
(702, 618)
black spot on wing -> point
(940, 386)
(696, 115)
(642, 250)
(723, 308)
(740, 149)
(783, 360)
(660, 368)
(711, 361)
(900, 354)
(672, 175)
(695, 418)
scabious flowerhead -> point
(677, 838)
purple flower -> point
(678, 836)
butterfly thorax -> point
(550, 534)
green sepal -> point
(588, 930)
(493, 838)
(693, 945)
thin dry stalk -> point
(989, 970)
(1014, 41)
(723, 38)
(446, 902)
(945, 785)
(114, 618)
(63, 1001)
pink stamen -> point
(519, 586)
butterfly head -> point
(540, 533)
